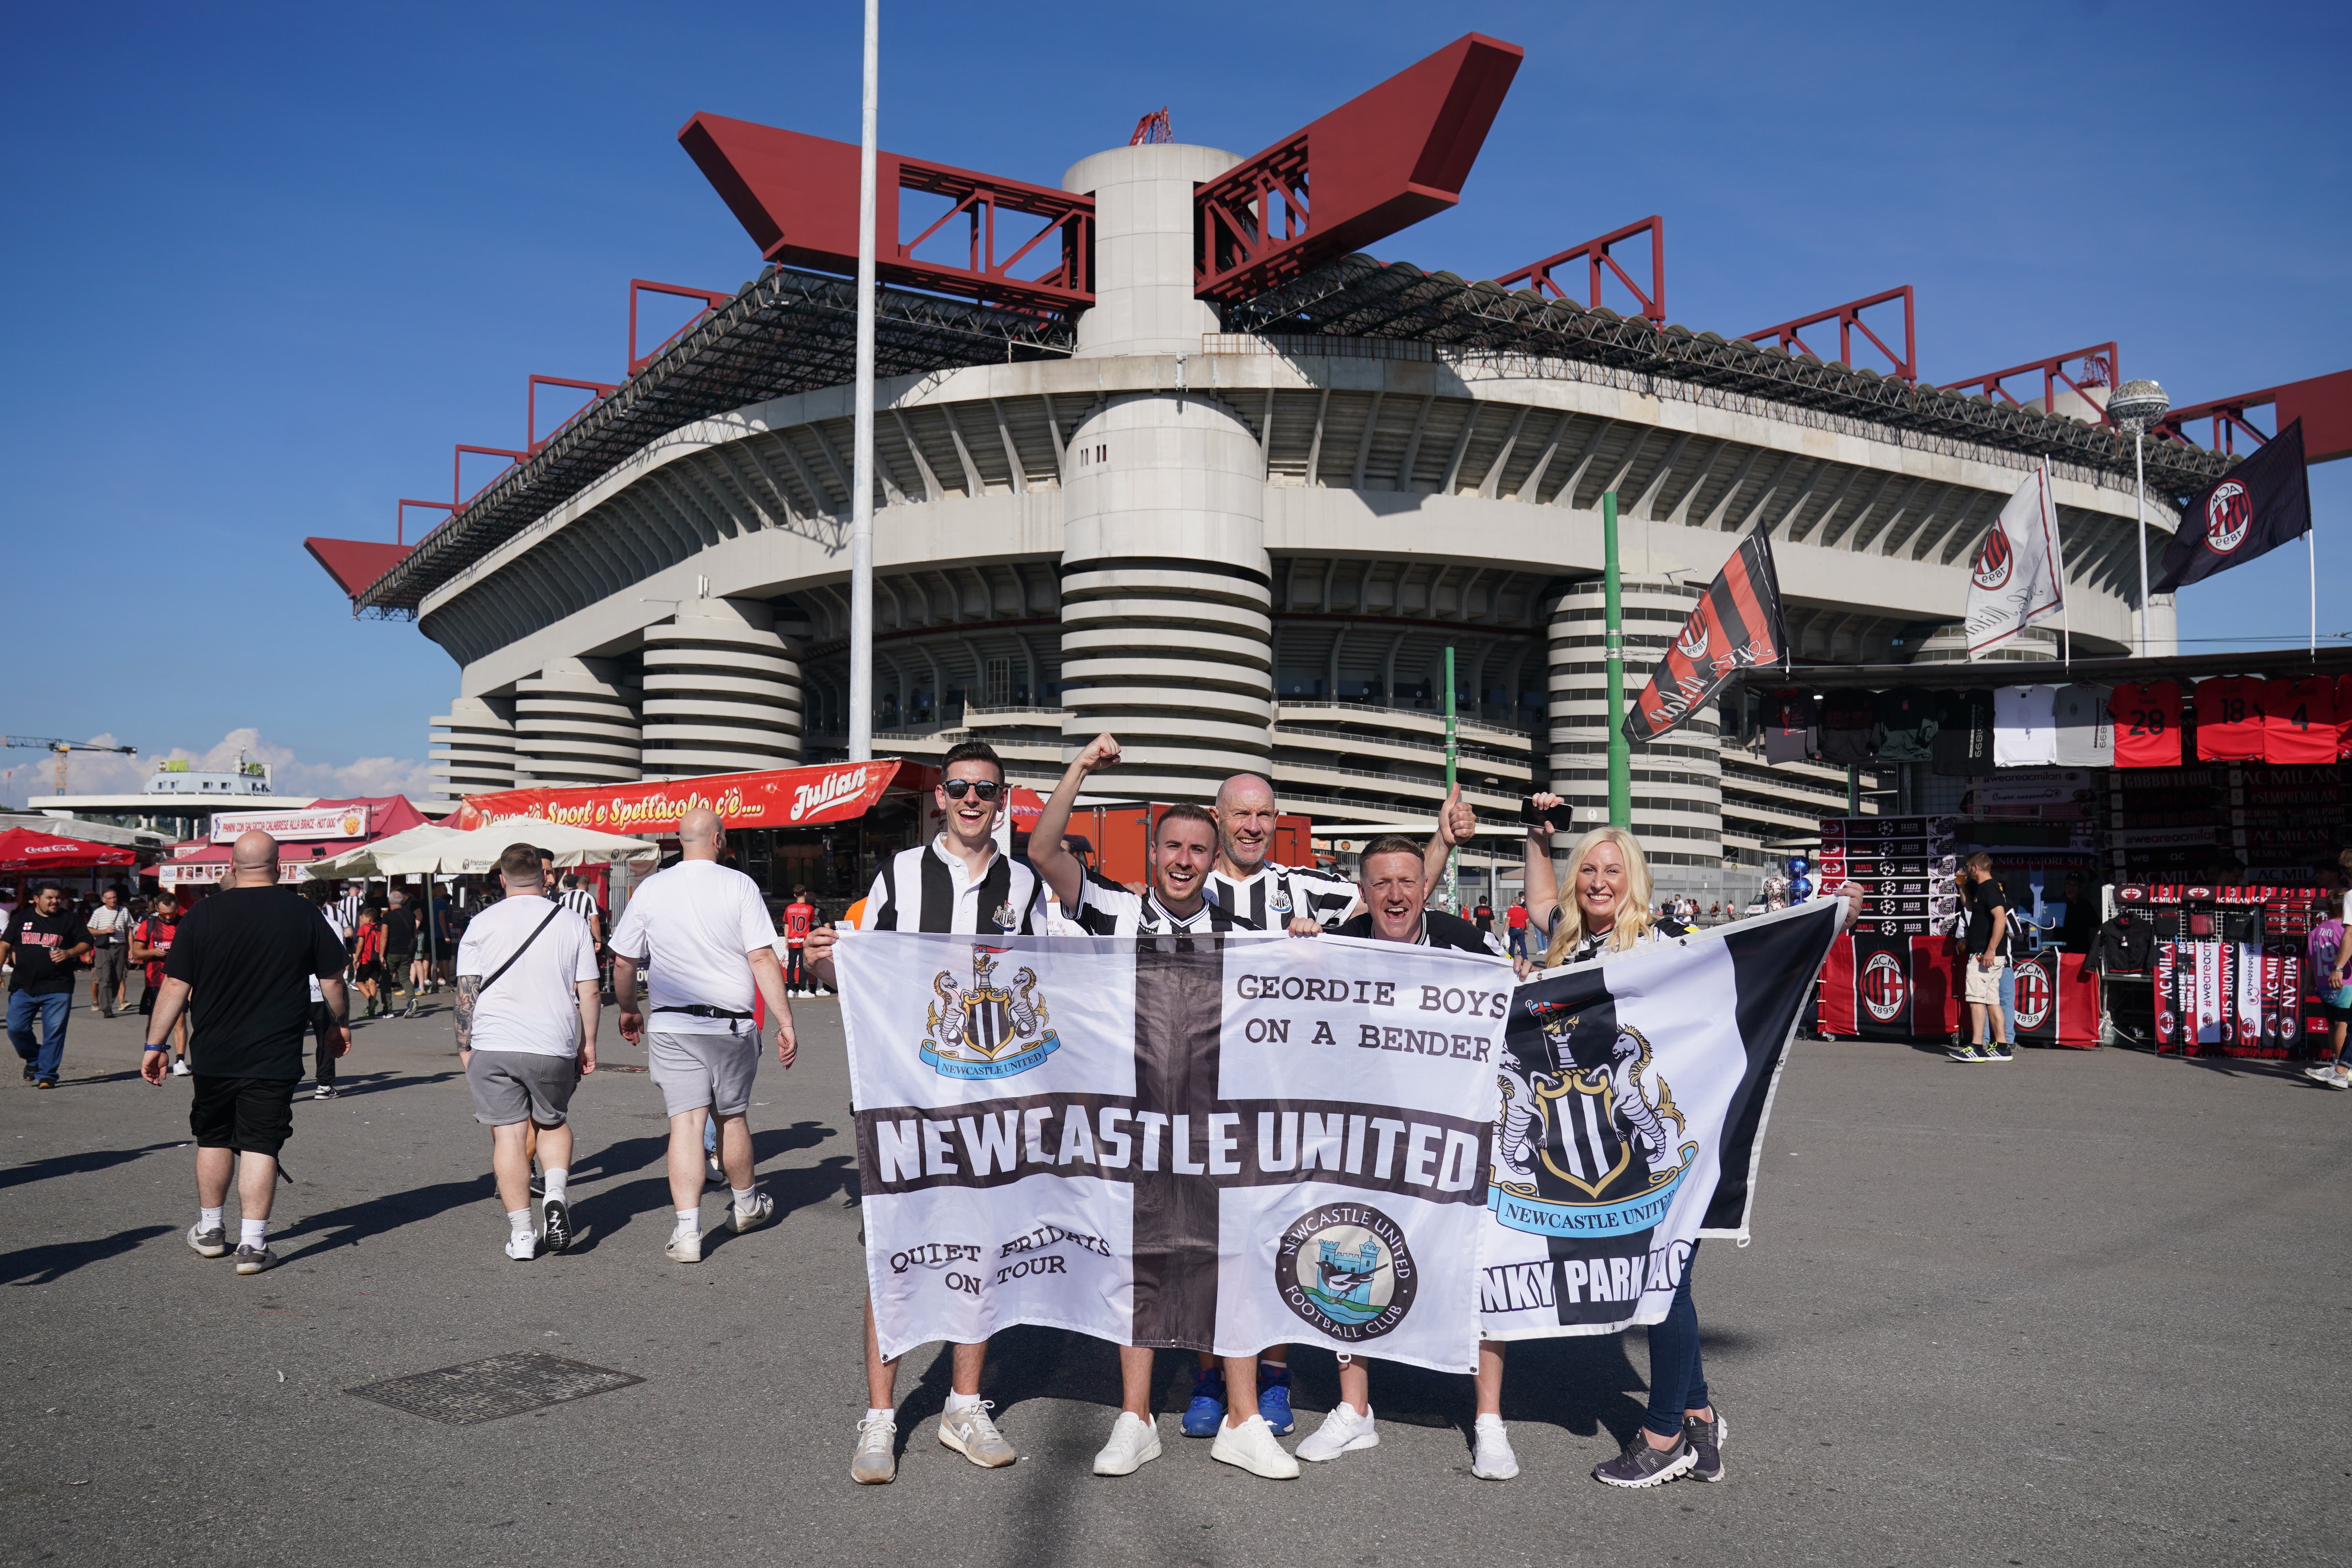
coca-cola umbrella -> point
(22, 849)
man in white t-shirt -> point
(704, 930)
(526, 1019)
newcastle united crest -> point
(1586, 1151)
(986, 1029)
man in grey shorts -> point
(526, 1020)
(703, 931)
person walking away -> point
(799, 916)
(1184, 848)
(1515, 918)
(1984, 957)
(704, 930)
(959, 882)
(367, 959)
(151, 943)
(240, 967)
(400, 932)
(325, 1035)
(110, 934)
(528, 1001)
(2329, 955)
(47, 943)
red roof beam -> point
(711, 300)
(2098, 368)
(2324, 404)
(1596, 254)
(530, 438)
(1385, 159)
(796, 196)
(1848, 316)
(400, 518)
(458, 496)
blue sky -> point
(264, 264)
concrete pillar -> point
(1677, 782)
(476, 753)
(576, 723)
(1167, 621)
(722, 691)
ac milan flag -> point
(1736, 626)
(2251, 510)
(2018, 576)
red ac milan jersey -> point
(2230, 719)
(2343, 716)
(2148, 724)
(2299, 720)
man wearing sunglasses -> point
(958, 882)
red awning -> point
(780, 798)
(22, 849)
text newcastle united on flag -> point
(1212, 1143)
(1634, 1095)
(1228, 1143)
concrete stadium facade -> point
(1237, 552)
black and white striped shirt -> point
(1277, 894)
(581, 902)
(1105, 908)
(348, 906)
(927, 889)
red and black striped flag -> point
(1736, 626)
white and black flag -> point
(1633, 1111)
(1200, 1142)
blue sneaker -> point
(1274, 1398)
(1207, 1411)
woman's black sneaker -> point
(1642, 1466)
(1706, 1438)
(556, 1217)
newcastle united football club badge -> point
(1004, 917)
(1278, 900)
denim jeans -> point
(1677, 1381)
(2008, 1003)
(53, 1010)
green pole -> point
(1453, 876)
(1854, 789)
(1621, 760)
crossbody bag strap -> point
(518, 952)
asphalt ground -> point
(2088, 1308)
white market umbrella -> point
(362, 862)
(471, 853)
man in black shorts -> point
(241, 967)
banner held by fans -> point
(1634, 1095)
(1199, 1143)
(1736, 625)
(2019, 575)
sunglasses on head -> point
(987, 789)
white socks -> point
(883, 1414)
(556, 1180)
(518, 1222)
(961, 1402)
(689, 1222)
(253, 1233)
(1490, 1423)
(744, 1196)
(208, 1219)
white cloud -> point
(30, 775)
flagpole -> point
(2058, 553)
(861, 501)
(2310, 559)
(1452, 878)
(1612, 639)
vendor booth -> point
(319, 831)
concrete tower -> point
(476, 755)
(1166, 604)
(722, 691)
(1678, 781)
(576, 723)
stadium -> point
(1163, 451)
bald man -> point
(240, 967)
(704, 930)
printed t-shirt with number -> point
(1105, 908)
(534, 1008)
(1274, 896)
(696, 924)
(927, 889)
(2230, 721)
(799, 915)
(2299, 721)
(2148, 724)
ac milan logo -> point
(2034, 993)
(1884, 988)
(2228, 512)
(1993, 561)
(1692, 644)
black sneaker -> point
(556, 1221)
(1965, 1052)
(29, 1072)
(252, 1260)
(2000, 1051)
(1706, 1438)
(1642, 1466)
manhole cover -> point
(486, 1390)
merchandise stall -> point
(319, 831)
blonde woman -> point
(1607, 913)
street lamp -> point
(2136, 406)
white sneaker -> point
(1134, 1442)
(180, 1066)
(2323, 1072)
(1342, 1432)
(522, 1246)
(763, 1210)
(875, 1462)
(1494, 1460)
(1251, 1446)
(683, 1247)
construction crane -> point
(63, 749)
